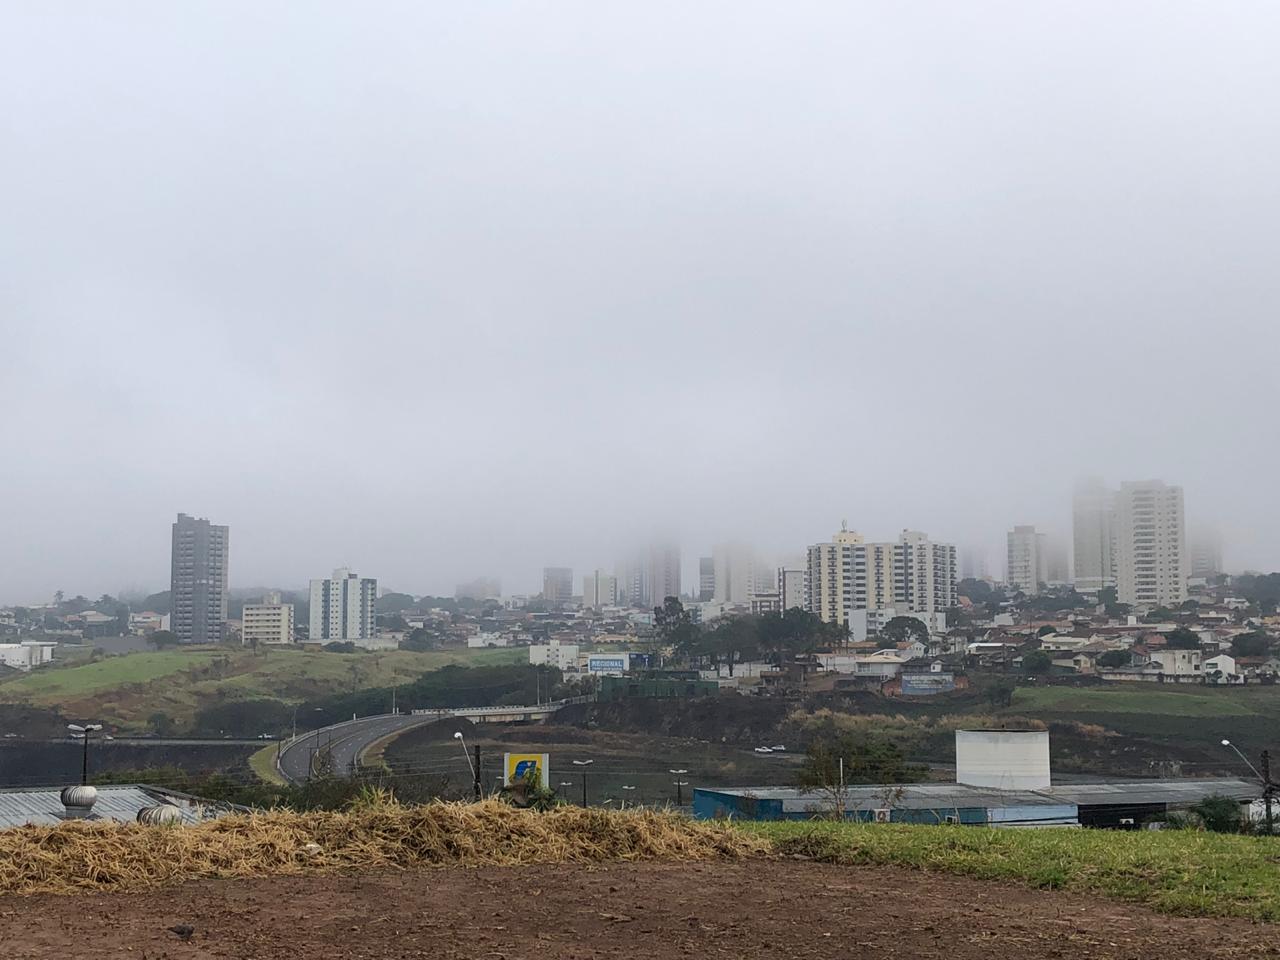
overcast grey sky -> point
(442, 289)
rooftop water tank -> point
(1003, 759)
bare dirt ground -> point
(757, 909)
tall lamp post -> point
(679, 783)
(584, 764)
(82, 731)
(1268, 786)
(475, 769)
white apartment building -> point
(850, 580)
(26, 654)
(766, 601)
(599, 589)
(268, 622)
(791, 587)
(1151, 560)
(1093, 540)
(562, 656)
(342, 609)
(1027, 560)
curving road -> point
(348, 740)
(344, 741)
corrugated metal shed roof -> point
(1182, 791)
(20, 807)
(929, 796)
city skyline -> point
(689, 561)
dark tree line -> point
(775, 637)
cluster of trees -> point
(1260, 589)
(731, 640)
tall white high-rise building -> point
(599, 589)
(1151, 559)
(198, 580)
(268, 622)
(848, 579)
(342, 608)
(1093, 540)
(1027, 563)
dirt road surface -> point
(707, 910)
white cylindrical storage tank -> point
(1003, 759)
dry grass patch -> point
(79, 855)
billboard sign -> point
(927, 684)
(608, 663)
(516, 766)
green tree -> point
(1046, 631)
(900, 629)
(163, 638)
(674, 626)
(1036, 662)
(733, 640)
(1255, 643)
(999, 693)
(1114, 658)
(831, 763)
(1182, 639)
(420, 639)
(1219, 814)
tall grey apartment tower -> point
(198, 580)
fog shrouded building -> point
(1151, 560)
(599, 590)
(268, 622)
(481, 588)
(1027, 562)
(198, 580)
(343, 608)
(706, 579)
(861, 584)
(736, 573)
(1092, 537)
(1206, 554)
(663, 573)
(557, 584)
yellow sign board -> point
(518, 765)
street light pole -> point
(583, 764)
(84, 730)
(1268, 788)
(679, 783)
(1268, 785)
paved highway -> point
(346, 741)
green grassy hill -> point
(1193, 716)
(124, 691)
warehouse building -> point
(1002, 780)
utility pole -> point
(1268, 787)
(478, 788)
